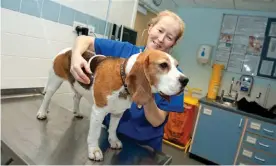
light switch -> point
(91, 30)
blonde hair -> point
(156, 19)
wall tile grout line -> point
(36, 37)
(42, 6)
(13, 55)
(20, 6)
(59, 13)
(43, 38)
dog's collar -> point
(89, 61)
(123, 75)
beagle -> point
(115, 84)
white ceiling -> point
(260, 5)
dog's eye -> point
(163, 65)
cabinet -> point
(217, 135)
(259, 144)
(232, 137)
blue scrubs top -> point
(133, 123)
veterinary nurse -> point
(144, 125)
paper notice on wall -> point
(224, 46)
(243, 25)
(255, 45)
(272, 31)
(271, 52)
(229, 24)
(266, 67)
(241, 39)
(251, 26)
(226, 38)
(222, 57)
(235, 63)
(239, 49)
(250, 64)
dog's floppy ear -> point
(138, 81)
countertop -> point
(210, 102)
(61, 139)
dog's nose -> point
(184, 81)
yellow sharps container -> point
(215, 81)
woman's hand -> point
(77, 63)
(153, 114)
(82, 44)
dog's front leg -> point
(96, 119)
(114, 142)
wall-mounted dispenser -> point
(246, 84)
(204, 54)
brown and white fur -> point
(148, 72)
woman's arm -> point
(82, 44)
(99, 46)
(156, 115)
(153, 114)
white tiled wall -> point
(28, 45)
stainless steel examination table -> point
(61, 139)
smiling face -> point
(163, 35)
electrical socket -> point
(75, 24)
(91, 30)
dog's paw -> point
(115, 144)
(41, 115)
(78, 115)
(95, 153)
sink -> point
(226, 102)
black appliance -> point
(123, 33)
